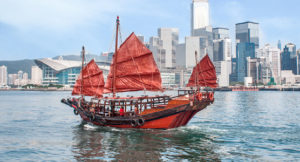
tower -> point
(199, 15)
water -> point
(260, 126)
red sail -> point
(135, 68)
(92, 83)
(205, 73)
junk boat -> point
(133, 69)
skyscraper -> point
(169, 38)
(3, 75)
(220, 33)
(200, 15)
(272, 60)
(247, 32)
(221, 44)
(279, 45)
(289, 58)
(243, 50)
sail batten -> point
(135, 68)
(205, 73)
(92, 81)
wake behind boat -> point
(133, 69)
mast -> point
(83, 55)
(196, 69)
(115, 57)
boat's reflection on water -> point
(102, 143)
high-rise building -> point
(155, 45)
(223, 71)
(205, 36)
(169, 38)
(222, 50)
(36, 75)
(200, 15)
(243, 50)
(291, 48)
(220, 33)
(279, 45)
(253, 70)
(3, 75)
(289, 58)
(247, 32)
(272, 60)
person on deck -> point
(136, 110)
(121, 111)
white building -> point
(169, 37)
(3, 75)
(155, 45)
(12, 78)
(223, 70)
(36, 75)
(288, 78)
(200, 14)
(165, 46)
(168, 79)
(272, 56)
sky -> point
(31, 29)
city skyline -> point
(31, 29)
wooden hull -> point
(177, 113)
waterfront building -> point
(12, 79)
(288, 78)
(247, 32)
(233, 75)
(63, 72)
(168, 79)
(36, 75)
(3, 75)
(272, 66)
(243, 50)
(223, 71)
(289, 58)
(253, 70)
(199, 15)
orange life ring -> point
(200, 96)
(211, 96)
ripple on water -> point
(256, 126)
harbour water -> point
(263, 126)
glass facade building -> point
(247, 32)
(63, 72)
(243, 50)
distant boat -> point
(133, 69)
(242, 88)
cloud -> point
(65, 14)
